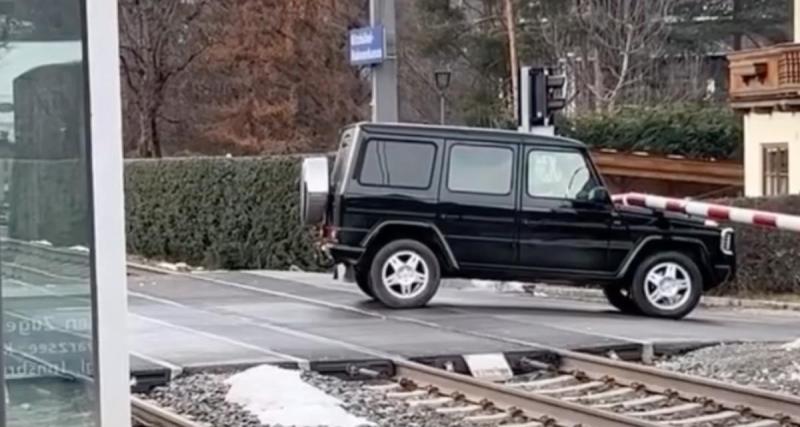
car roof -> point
(498, 135)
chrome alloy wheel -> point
(405, 275)
(668, 286)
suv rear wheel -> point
(667, 285)
(404, 274)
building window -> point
(776, 169)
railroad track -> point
(588, 391)
(147, 414)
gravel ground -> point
(202, 397)
(374, 407)
(772, 367)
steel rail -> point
(761, 402)
(151, 415)
(508, 398)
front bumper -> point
(725, 273)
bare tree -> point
(609, 47)
(159, 41)
(625, 35)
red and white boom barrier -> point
(710, 211)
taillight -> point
(329, 233)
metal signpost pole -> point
(525, 101)
(384, 75)
(442, 109)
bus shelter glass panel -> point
(45, 217)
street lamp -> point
(442, 79)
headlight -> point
(726, 241)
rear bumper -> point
(344, 254)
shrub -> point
(219, 213)
(689, 130)
(769, 260)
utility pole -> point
(511, 23)
(384, 76)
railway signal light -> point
(541, 96)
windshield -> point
(342, 158)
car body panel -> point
(513, 236)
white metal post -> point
(524, 100)
(112, 372)
(384, 76)
(797, 21)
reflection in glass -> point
(45, 268)
(559, 174)
(480, 169)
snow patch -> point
(181, 266)
(509, 287)
(485, 285)
(280, 397)
(794, 345)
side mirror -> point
(599, 195)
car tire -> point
(404, 274)
(362, 280)
(667, 285)
(620, 298)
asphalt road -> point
(232, 318)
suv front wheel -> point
(667, 285)
(404, 274)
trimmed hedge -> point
(691, 130)
(242, 214)
(769, 260)
(218, 213)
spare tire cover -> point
(314, 188)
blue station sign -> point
(367, 45)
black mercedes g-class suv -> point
(404, 206)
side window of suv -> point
(397, 164)
(559, 175)
(480, 169)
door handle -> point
(451, 216)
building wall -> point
(770, 128)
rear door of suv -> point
(477, 209)
(395, 178)
(561, 231)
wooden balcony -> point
(766, 78)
